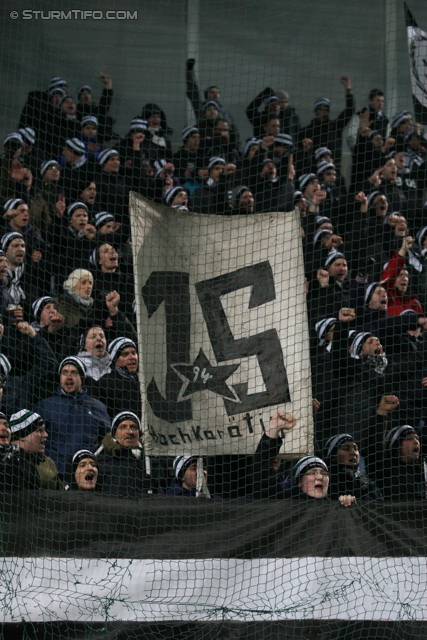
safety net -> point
(213, 351)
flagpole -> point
(391, 97)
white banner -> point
(98, 590)
(222, 329)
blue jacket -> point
(72, 422)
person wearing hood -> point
(342, 456)
(120, 388)
(93, 352)
(81, 310)
(32, 468)
(82, 472)
(124, 468)
(76, 302)
(156, 143)
(74, 420)
(212, 92)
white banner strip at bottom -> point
(356, 588)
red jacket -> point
(397, 302)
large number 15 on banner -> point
(222, 329)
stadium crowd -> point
(70, 399)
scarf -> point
(78, 300)
(378, 363)
(156, 139)
(15, 290)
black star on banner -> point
(201, 375)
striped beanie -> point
(181, 464)
(12, 204)
(336, 441)
(8, 237)
(39, 304)
(107, 153)
(116, 347)
(75, 145)
(322, 102)
(125, 415)
(76, 362)
(305, 464)
(89, 120)
(101, 218)
(187, 131)
(5, 364)
(24, 422)
(396, 435)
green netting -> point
(213, 284)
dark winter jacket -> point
(73, 422)
(123, 470)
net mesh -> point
(213, 283)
